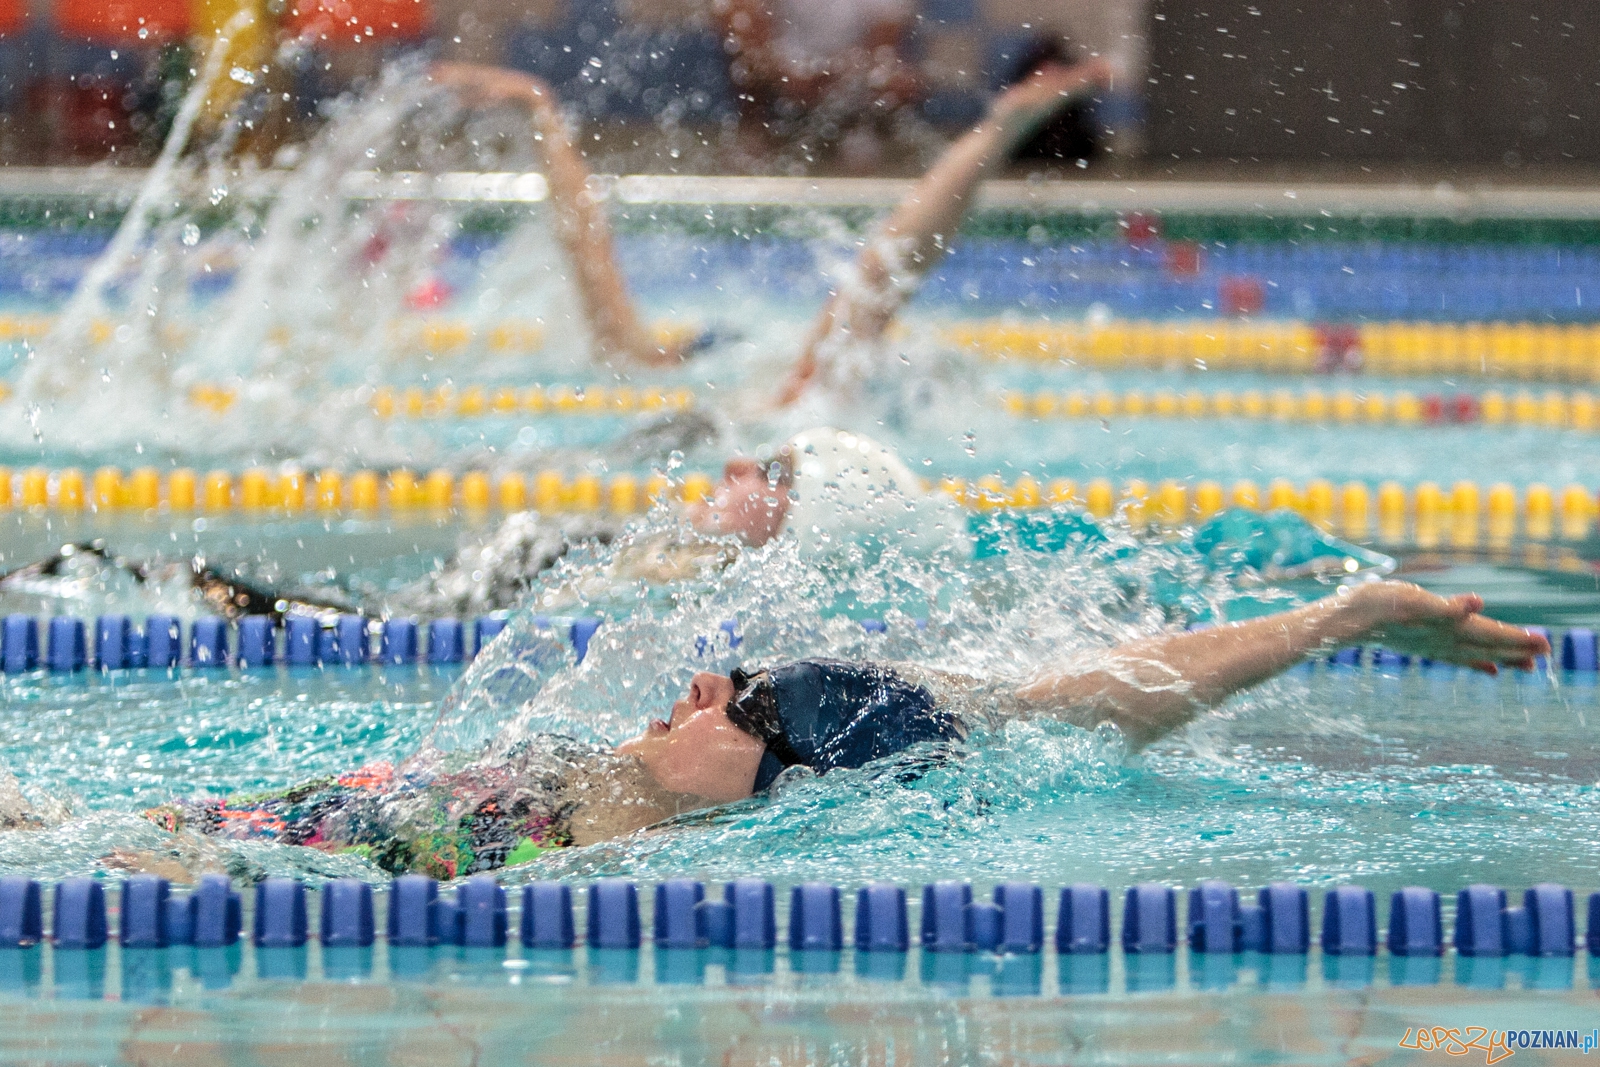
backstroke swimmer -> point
(731, 737)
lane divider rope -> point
(1552, 410)
(1517, 350)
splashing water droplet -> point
(191, 235)
(969, 443)
(242, 76)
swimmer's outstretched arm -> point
(580, 219)
(919, 231)
(1151, 687)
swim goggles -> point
(754, 709)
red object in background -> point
(122, 22)
(1141, 228)
(1432, 409)
(1183, 258)
(1241, 296)
(342, 22)
(87, 116)
(430, 294)
(1338, 348)
(1464, 408)
(12, 15)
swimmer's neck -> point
(616, 796)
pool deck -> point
(1310, 198)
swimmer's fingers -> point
(1472, 641)
(480, 86)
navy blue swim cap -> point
(829, 714)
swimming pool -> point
(1383, 775)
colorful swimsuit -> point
(444, 825)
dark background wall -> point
(1423, 81)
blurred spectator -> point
(822, 74)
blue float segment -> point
(613, 914)
(986, 925)
(486, 628)
(302, 637)
(1346, 657)
(731, 628)
(446, 642)
(547, 916)
(347, 918)
(78, 914)
(19, 644)
(816, 922)
(482, 902)
(677, 922)
(754, 913)
(280, 920)
(352, 646)
(947, 917)
(1549, 908)
(1252, 928)
(68, 650)
(22, 912)
(218, 912)
(874, 626)
(881, 923)
(1383, 659)
(180, 920)
(1021, 907)
(1592, 928)
(1083, 920)
(1286, 919)
(257, 641)
(113, 642)
(143, 922)
(1214, 918)
(581, 634)
(1579, 651)
(716, 923)
(411, 919)
(1480, 921)
(1350, 922)
(398, 644)
(1150, 918)
(163, 642)
(208, 642)
(1416, 927)
(1519, 931)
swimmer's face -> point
(744, 503)
(698, 751)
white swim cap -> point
(849, 487)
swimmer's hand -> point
(1408, 619)
(1030, 103)
(481, 86)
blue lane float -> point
(347, 640)
(151, 916)
(252, 644)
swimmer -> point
(732, 737)
(835, 353)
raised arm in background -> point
(1151, 687)
(919, 231)
(580, 220)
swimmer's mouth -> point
(660, 726)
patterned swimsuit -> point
(443, 825)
